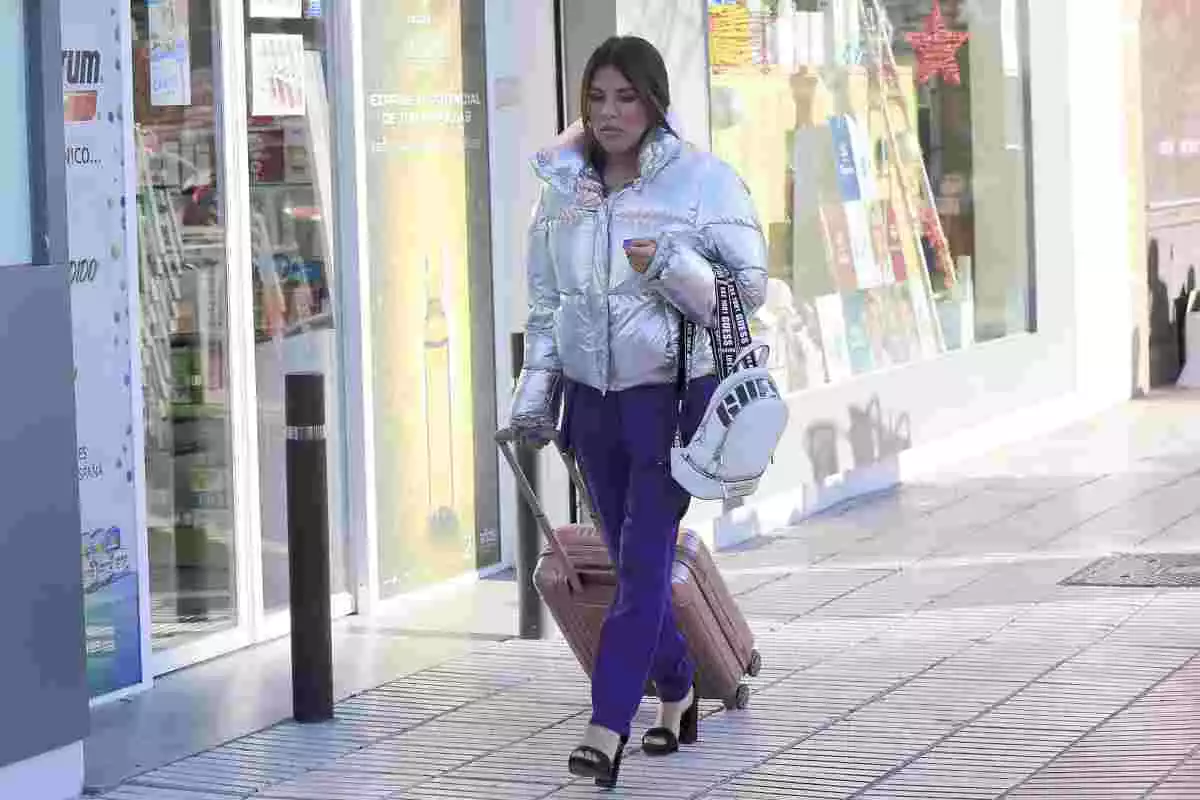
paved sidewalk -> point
(917, 645)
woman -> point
(629, 221)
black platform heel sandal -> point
(662, 741)
(589, 762)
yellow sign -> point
(424, 122)
(729, 36)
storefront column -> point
(1135, 143)
(1093, 47)
(523, 117)
(43, 689)
(354, 304)
(678, 28)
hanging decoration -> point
(937, 47)
(931, 224)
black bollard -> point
(531, 612)
(308, 548)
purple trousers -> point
(623, 442)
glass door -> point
(196, 607)
(292, 269)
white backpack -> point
(744, 420)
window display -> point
(884, 144)
(185, 332)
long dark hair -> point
(643, 66)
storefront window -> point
(884, 144)
(185, 337)
(433, 338)
(293, 265)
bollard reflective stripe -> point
(306, 433)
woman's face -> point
(616, 112)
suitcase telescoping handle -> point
(505, 439)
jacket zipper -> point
(610, 203)
(608, 242)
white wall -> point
(1099, 181)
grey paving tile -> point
(463, 789)
(133, 792)
(337, 785)
(795, 596)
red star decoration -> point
(936, 48)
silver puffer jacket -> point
(592, 317)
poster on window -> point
(424, 79)
(275, 9)
(104, 331)
(170, 52)
(277, 74)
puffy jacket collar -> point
(564, 164)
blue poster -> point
(844, 160)
(104, 319)
(858, 334)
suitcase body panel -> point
(718, 638)
(579, 614)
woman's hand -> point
(640, 253)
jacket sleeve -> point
(727, 232)
(536, 397)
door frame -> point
(254, 623)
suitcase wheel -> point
(740, 700)
(755, 665)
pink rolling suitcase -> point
(575, 577)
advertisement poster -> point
(838, 247)
(845, 159)
(103, 332)
(895, 246)
(867, 273)
(832, 318)
(813, 190)
(277, 75)
(170, 53)
(427, 197)
(729, 35)
(900, 340)
(857, 313)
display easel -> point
(160, 264)
(878, 32)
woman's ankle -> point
(670, 713)
(601, 738)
